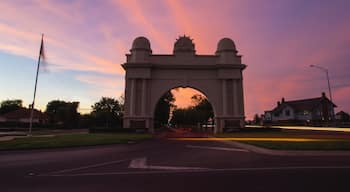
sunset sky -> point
(86, 41)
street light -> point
(329, 86)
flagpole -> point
(36, 82)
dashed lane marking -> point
(141, 163)
(90, 166)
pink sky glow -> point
(87, 41)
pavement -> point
(5, 136)
(161, 164)
(10, 135)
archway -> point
(218, 76)
(184, 109)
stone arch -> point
(218, 76)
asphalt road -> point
(167, 165)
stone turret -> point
(141, 50)
(184, 46)
(227, 51)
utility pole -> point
(41, 55)
(328, 82)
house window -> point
(287, 113)
(306, 113)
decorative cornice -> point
(182, 66)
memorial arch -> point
(218, 76)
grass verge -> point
(71, 140)
(311, 145)
(288, 134)
(332, 140)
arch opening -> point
(185, 109)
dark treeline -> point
(63, 114)
(10, 105)
(107, 113)
(199, 113)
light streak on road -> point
(304, 128)
(253, 139)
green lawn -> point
(341, 140)
(71, 140)
(288, 134)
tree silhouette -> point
(163, 107)
(10, 105)
(108, 112)
(62, 113)
(200, 112)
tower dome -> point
(226, 44)
(141, 50)
(141, 43)
(184, 44)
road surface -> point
(169, 165)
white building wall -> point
(283, 115)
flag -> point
(42, 50)
(42, 56)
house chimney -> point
(278, 103)
(323, 95)
(282, 99)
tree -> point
(257, 119)
(121, 101)
(63, 113)
(10, 105)
(203, 108)
(163, 107)
(200, 112)
(343, 116)
(108, 112)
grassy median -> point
(71, 140)
(318, 140)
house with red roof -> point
(22, 115)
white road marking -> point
(198, 171)
(217, 148)
(141, 163)
(138, 163)
(90, 166)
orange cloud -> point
(182, 19)
(64, 51)
(143, 22)
(67, 10)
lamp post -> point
(329, 85)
